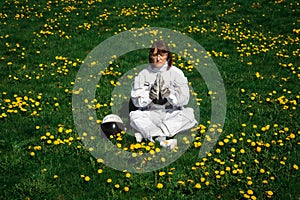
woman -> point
(160, 93)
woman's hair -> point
(161, 46)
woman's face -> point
(159, 58)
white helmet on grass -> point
(112, 124)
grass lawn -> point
(254, 45)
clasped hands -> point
(159, 92)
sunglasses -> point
(160, 52)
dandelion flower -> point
(60, 129)
(87, 178)
(127, 175)
(159, 185)
(162, 173)
(258, 149)
(126, 189)
(134, 155)
(250, 192)
(269, 193)
(181, 182)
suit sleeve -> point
(140, 92)
(179, 90)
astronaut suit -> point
(163, 115)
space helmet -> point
(112, 124)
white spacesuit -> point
(164, 119)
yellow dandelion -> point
(162, 173)
(127, 175)
(87, 178)
(159, 185)
(269, 193)
(218, 150)
(258, 149)
(152, 152)
(126, 189)
(250, 192)
(44, 170)
(292, 135)
(60, 129)
(265, 181)
(181, 182)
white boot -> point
(171, 144)
(138, 137)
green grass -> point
(255, 45)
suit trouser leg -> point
(179, 120)
(146, 123)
